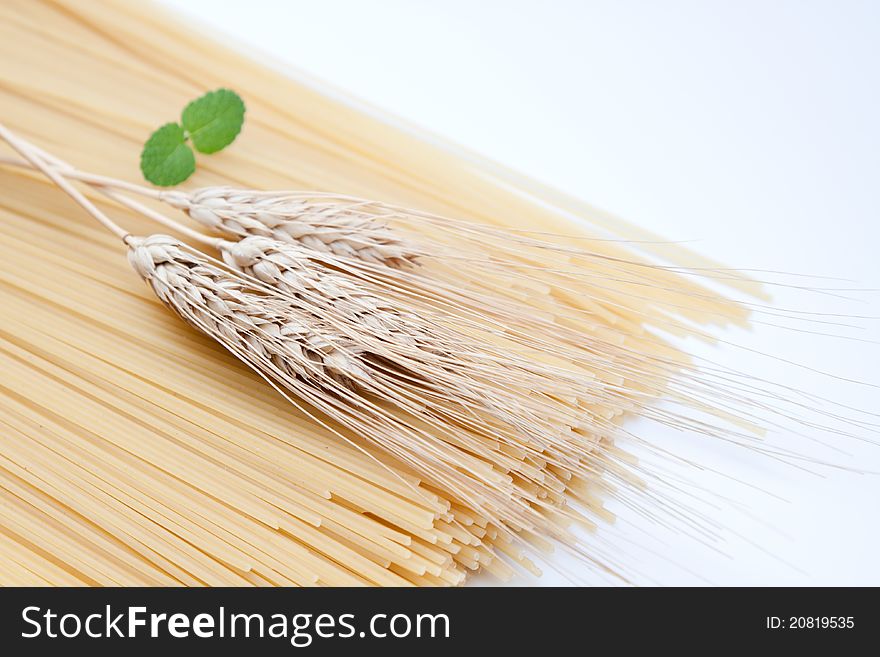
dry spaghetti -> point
(137, 452)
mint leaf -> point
(166, 159)
(214, 120)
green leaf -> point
(166, 159)
(214, 120)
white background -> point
(751, 127)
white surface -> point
(749, 126)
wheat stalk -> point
(463, 264)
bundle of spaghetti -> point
(136, 451)
(312, 332)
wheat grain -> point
(342, 230)
(245, 318)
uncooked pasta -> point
(485, 348)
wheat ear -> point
(340, 231)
